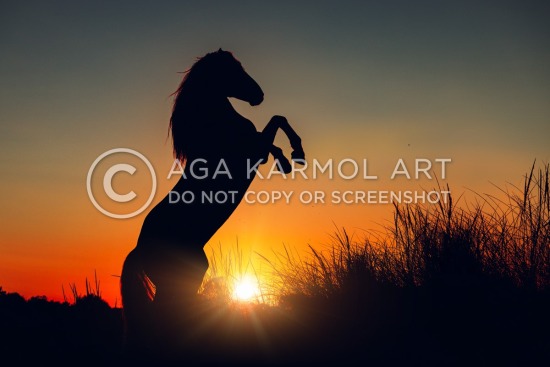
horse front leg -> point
(282, 162)
(269, 132)
(297, 154)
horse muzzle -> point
(257, 100)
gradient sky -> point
(386, 80)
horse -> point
(162, 274)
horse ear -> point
(220, 50)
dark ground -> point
(393, 327)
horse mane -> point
(182, 129)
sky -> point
(379, 81)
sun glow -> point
(246, 289)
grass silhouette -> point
(443, 285)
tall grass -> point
(92, 292)
(501, 239)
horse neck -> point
(210, 114)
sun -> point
(246, 289)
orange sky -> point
(465, 82)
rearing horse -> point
(162, 274)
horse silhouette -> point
(162, 274)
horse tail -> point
(137, 293)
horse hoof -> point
(298, 156)
(284, 166)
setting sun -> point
(246, 289)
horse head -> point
(231, 80)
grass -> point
(501, 239)
(93, 290)
(447, 284)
